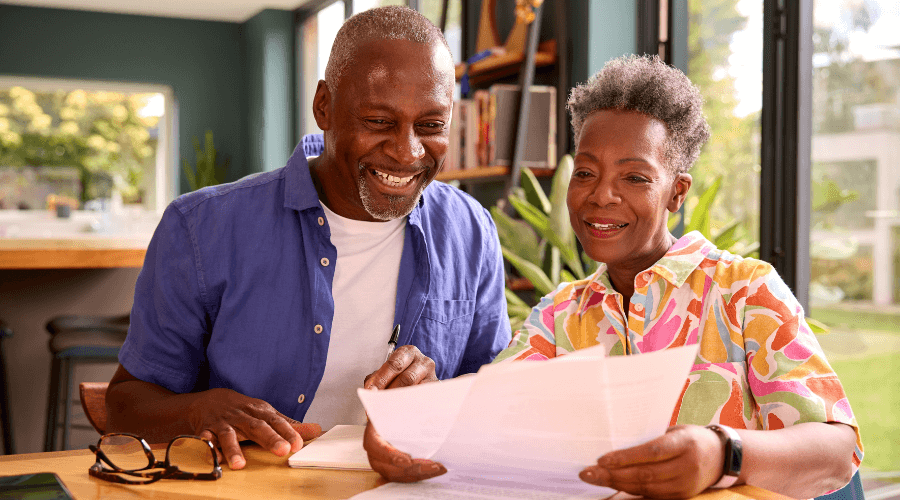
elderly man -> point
(269, 300)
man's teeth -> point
(394, 181)
(607, 227)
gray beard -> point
(397, 206)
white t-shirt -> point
(365, 292)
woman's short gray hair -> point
(383, 23)
(646, 84)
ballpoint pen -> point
(392, 344)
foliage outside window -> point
(107, 136)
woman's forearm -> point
(801, 461)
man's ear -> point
(680, 187)
(322, 106)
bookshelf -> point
(487, 174)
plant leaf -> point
(517, 236)
(533, 273)
(533, 192)
(727, 237)
(699, 220)
(560, 224)
(817, 327)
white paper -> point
(339, 448)
(530, 425)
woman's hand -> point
(395, 465)
(684, 461)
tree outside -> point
(107, 136)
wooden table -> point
(80, 253)
(265, 476)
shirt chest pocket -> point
(444, 331)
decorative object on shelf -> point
(209, 171)
(540, 134)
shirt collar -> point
(675, 266)
(300, 192)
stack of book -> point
(483, 129)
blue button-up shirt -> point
(236, 288)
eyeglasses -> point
(187, 457)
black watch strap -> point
(733, 453)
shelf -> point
(487, 173)
(503, 65)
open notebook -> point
(339, 448)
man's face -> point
(386, 128)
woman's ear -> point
(322, 106)
(680, 187)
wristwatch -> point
(733, 454)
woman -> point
(639, 128)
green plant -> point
(208, 171)
(542, 245)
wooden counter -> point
(265, 476)
(81, 253)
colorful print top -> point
(759, 364)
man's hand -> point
(395, 465)
(684, 461)
(406, 366)
(226, 418)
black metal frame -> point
(786, 133)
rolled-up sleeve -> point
(788, 374)
(169, 321)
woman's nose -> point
(605, 193)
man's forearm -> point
(148, 410)
(802, 461)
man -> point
(267, 301)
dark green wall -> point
(203, 62)
(270, 42)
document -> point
(340, 448)
(529, 426)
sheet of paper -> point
(534, 424)
(465, 486)
(339, 448)
(417, 418)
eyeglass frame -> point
(168, 471)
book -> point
(340, 448)
(540, 135)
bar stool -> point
(77, 340)
(5, 418)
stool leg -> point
(5, 405)
(52, 404)
(67, 402)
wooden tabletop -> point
(265, 476)
(81, 253)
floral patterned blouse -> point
(759, 365)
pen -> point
(392, 344)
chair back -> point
(93, 401)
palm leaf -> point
(533, 273)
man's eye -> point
(637, 179)
(377, 122)
(432, 126)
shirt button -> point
(301, 399)
(638, 307)
(321, 221)
(324, 262)
(318, 329)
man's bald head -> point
(383, 23)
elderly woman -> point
(760, 382)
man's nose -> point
(407, 147)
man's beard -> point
(396, 207)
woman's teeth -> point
(607, 227)
(392, 180)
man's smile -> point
(392, 180)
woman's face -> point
(622, 190)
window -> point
(854, 233)
(725, 62)
(79, 139)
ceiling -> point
(213, 10)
